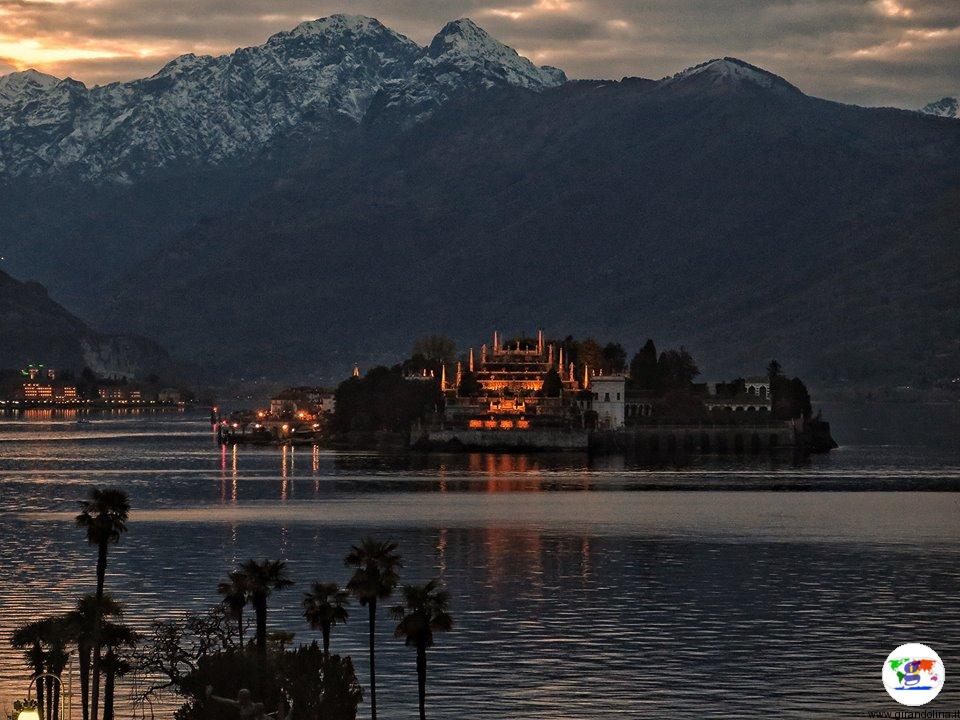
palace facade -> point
(504, 386)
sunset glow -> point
(889, 52)
(33, 53)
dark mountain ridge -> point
(719, 208)
(746, 222)
(35, 329)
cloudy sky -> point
(874, 52)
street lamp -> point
(28, 712)
(28, 709)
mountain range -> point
(207, 110)
(324, 198)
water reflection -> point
(569, 584)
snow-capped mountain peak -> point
(729, 72)
(944, 107)
(465, 45)
(19, 88)
(338, 25)
(465, 37)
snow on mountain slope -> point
(463, 45)
(725, 73)
(462, 55)
(945, 107)
(21, 87)
(204, 109)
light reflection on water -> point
(576, 595)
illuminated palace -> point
(503, 388)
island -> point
(531, 393)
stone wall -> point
(700, 439)
(533, 439)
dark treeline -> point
(384, 401)
(209, 659)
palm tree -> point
(323, 607)
(235, 592)
(45, 642)
(262, 579)
(30, 638)
(57, 658)
(104, 517)
(81, 628)
(374, 579)
(425, 611)
(116, 639)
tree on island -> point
(774, 370)
(424, 612)
(375, 576)
(436, 349)
(104, 517)
(614, 358)
(469, 385)
(552, 384)
(384, 401)
(676, 369)
(643, 368)
(589, 355)
(790, 397)
(324, 606)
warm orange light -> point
(506, 424)
(476, 423)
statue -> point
(250, 710)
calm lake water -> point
(723, 588)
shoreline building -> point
(608, 399)
(526, 394)
(527, 383)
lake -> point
(733, 587)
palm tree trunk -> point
(49, 683)
(56, 697)
(373, 662)
(326, 640)
(95, 681)
(84, 653)
(40, 693)
(101, 568)
(261, 607)
(422, 680)
(108, 686)
(101, 576)
(240, 626)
